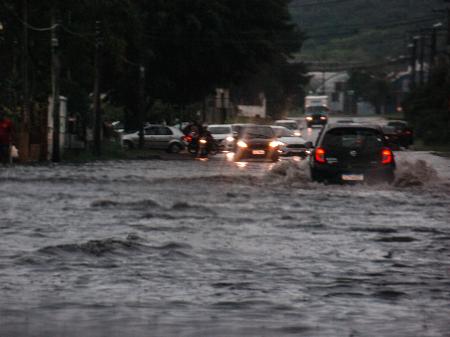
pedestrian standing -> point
(6, 135)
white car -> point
(290, 124)
(292, 145)
(159, 137)
(223, 134)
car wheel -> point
(390, 178)
(175, 148)
(315, 176)
(128, 144)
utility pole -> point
(422, 59)
(56, 156)
(24, 135)
(413, 47)
(97, 149)
(433, 49)
(141, 105)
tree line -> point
(187, 48)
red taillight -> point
(386, 156)
(188, 139)
(319, 155)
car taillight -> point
(187, 139)
(386, 156)
(319, 155)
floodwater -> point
(214, 248)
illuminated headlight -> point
(242, 144)
(297, 133)
(276, 143)
(309, 118)
(203, 141)
(323, 118)
(230, 139)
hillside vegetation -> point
(362, 30)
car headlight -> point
(276, 143)
(242, 144)
(297, 133)
(309, 118)
(230, 139)
(323, 118)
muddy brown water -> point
(181, 248)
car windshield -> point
(316, 110)
(283, 132)
(289, 125)
(219, 130)
(354, 139)
(257, 132)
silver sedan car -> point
(157, 137)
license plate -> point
(353, 177)
(258, 152)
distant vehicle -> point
(316, 110)
(157, 137)
(314, 101)
(292, 145)
(256, 141)
(316, 116)
(405, 135)
(351, 152)
(290, 124)
(223, 134)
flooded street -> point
(215, 248)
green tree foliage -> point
(361, 30)
(372, 87)
(428, 107)
(188, 47)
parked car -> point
(157, 137)
(223, 134)
(405, 135)
(316, 115)
(292, 145)
(351, 152)
(256, 141)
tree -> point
(372, 87)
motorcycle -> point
(202, 146)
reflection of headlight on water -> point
(297, 159)
(241, 164)
(230, 156)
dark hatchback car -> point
(352, 153)
(256, 141)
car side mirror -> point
(309, 145)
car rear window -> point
(219, 130)
(355, 139)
